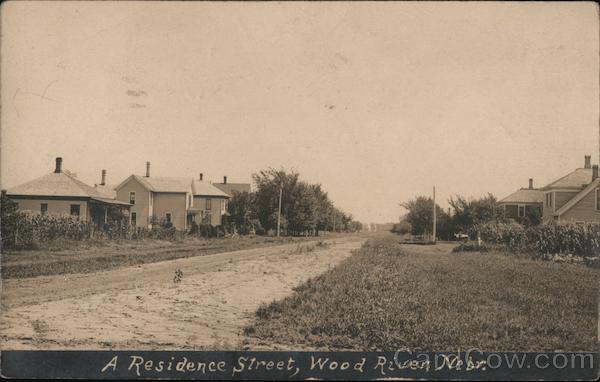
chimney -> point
(594, 172)
(531, 183)
(588, 161)
(225, 180)
(201, 176)
(103, 181)
(58, 168)
(147, 169)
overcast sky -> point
(378, 102)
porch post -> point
(105, 214)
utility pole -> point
(434, 217)
(279, 209)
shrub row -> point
(384, 246)
(576, 239)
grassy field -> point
(106, 255)
(388, 295)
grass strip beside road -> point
(388, 295)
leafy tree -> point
(355, 226)
(268, 183)
(420, 216)
(468, 213)
(402, 228)
(305, 208)
(241, 211)
(302, 209)
(486, 209)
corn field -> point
(26, 231)
(576, 239)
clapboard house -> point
(60, 193)
(176, 201)
(210, 203)
(523, 202)
(575, 197)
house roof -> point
(207, 189)
(577, 179)
(111, 201)
(162, 184)
(524, 195)
(55, 184)
(61, 184)
(176, 184)
(574, 200)
(108, 190)
(229, 188)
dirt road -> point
(141, 307)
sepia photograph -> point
(299, 190)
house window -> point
(44, 208)
(133, 219)
(75, 209)
(549, 199)
(208, 204)
(521, 211)
(168, 216)
(132, 197)
(597, 199)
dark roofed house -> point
(523, 202)
(60, 193)
(575, 197)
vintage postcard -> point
(299, 190)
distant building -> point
(210, 203)
(60, 193)
(174, 200)
(230, 188)
(575, 197)
(521, 202)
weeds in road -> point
(386, 296)
(311, 247)
(178, 276)
(40, 327)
